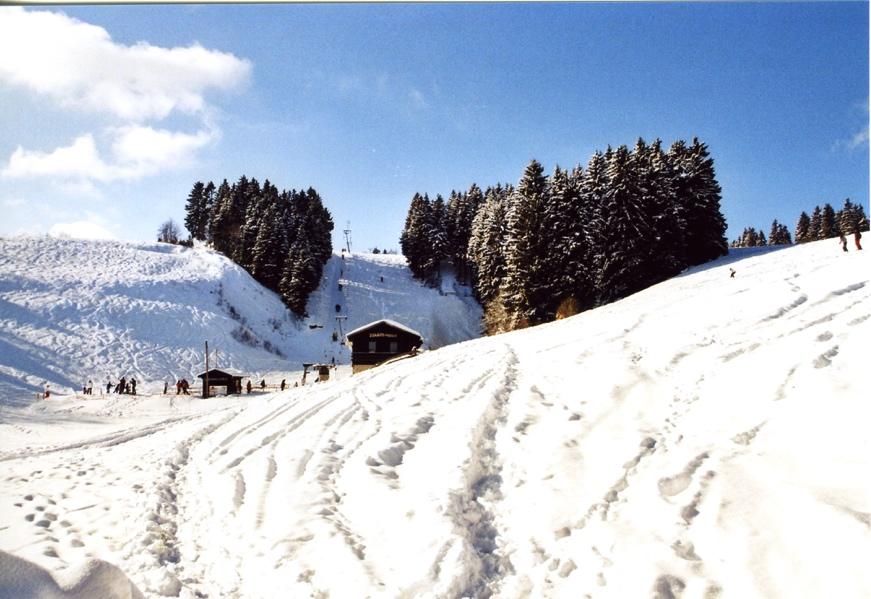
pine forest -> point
(282, 238)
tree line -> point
(282, 238)
(555, 245)
(823, 223)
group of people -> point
(123, 386)
(857, 237)
(88, 388)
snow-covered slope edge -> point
(76, 310)
(703, 438)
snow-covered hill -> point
(704, 438)
(75, 310)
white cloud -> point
(81, 229)
(136, 151)
(80, 159)
(79, 65)
(860, 138)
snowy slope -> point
(74, 310)
(703, 438)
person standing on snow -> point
(133, 385)
(248, 386)
(843, 242)
(857, 237)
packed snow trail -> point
(703, 438)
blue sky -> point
(110, 113)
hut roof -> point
(214, 372)
(386, 321)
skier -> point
(133, 385)
(857, 237)
(90, 387)
(178, 387)
(731, 273)
(263, 385)
(165, 387)
(108, 386)
(282, 384)
(248, 386)
(47, 391)
(843, 242)
(185, 386)
(122, 386)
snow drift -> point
(703, 438)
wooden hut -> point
(220, 378)
(380, 341)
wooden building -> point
(219, 378)
(380, 341)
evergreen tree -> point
(803, 228)
(847, 218)
(594, 186)
(196, 212)
(816, 224)
(828, 226)
(627, 231)
(861, 218)
(698, 197)
(525, 287)
(437, 233)
(566, 243)
(209, 193)
(221, 225)
(656, 177)
(761, 241)
(268, 252)
(487, 245)
(413, 239)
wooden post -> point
(206, 380)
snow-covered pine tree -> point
(828, 224)
(565, 245)
(268, 251)
(295, 279)
(698, 195)
(411, 239)
(803, 228)
(254, 212)
(656, 180)
(816, 224)
(525, 287)
(627, 231)
(861, 218)
(486, 249)
(196, 214)
(774, 237)
(594, 186)
(437, 234)
(222, 221)
(209, 193)
(847, 218)
(460, 213)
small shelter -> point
(220, 378)
(379, 341)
